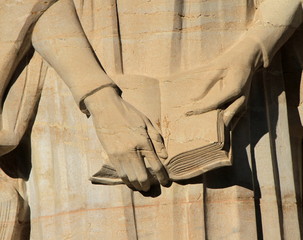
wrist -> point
(103, 98)
(255, 55)
(261, 54)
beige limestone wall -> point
(254, 198)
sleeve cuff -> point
(82, 105)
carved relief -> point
(166, 92)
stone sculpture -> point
(129, 127)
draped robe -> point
(171, 36)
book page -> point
(143, 93)
(181, 132)
(165, 104)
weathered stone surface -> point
(178, 64)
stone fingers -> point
(156, 166)
(156, 140)
(131, 168)
(233, 87)
(234, 109)
(210, 78)
(156, 152)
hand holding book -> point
(128, 137)
(225, 81)
(197, 106)
(194, 123)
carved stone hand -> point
(225, 81)
(231, 72)
(128, 138)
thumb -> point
(156, 139)
(233, 109)
(157, 142)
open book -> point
(195, 144)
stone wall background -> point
(258, 198)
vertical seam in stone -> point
(205, 209)
(92, 6)
(23, 96)
(134, 214)
(119, 38)
(176, 41)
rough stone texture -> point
(258, 197)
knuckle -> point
(143, 178)
(122, 175)
(236, 92)
(119, 153)
(157, 138)
(158, 168)
(143, 142)
(114, 159)
(132, 179)
(114, 154)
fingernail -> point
(163, 154)
(165, 182)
